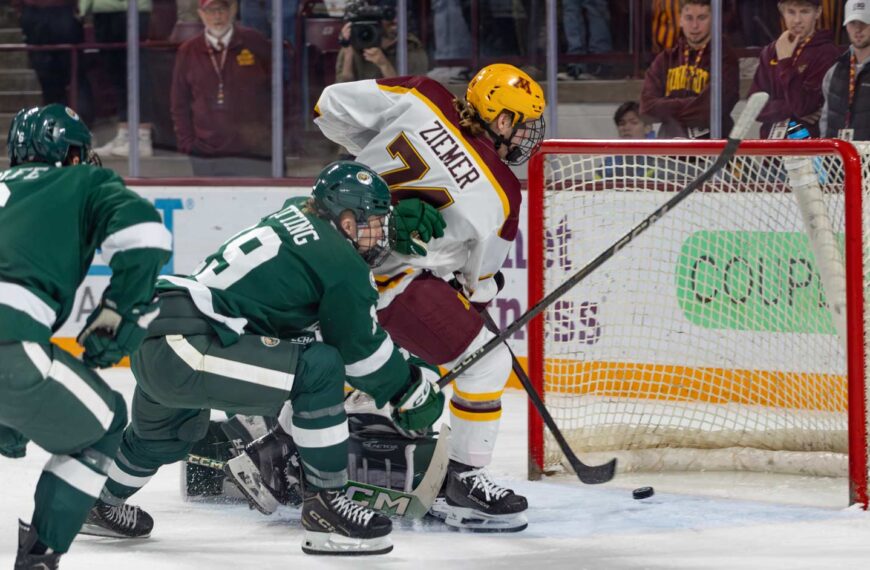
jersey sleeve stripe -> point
(374, 362)
(22, 299)
(505, 202)
(139, 236)
(201, 297)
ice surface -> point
(705, 520)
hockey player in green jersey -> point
(238, 335)
(56, 188)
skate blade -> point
(95, 530)
(332, 544)
(471, 520)
(242, 472)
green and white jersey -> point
(292, 272)
(52, 220)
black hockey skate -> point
(268, 472)
(336, 525)
(28, 546)
(474, 502)
(122, 521)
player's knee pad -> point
(490, 374)
(119, 421)
(319, 380)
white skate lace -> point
(351, 511)
(481, 480)
(123, 515)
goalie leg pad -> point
(246, 476)
(471, 520)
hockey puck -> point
(643, 493)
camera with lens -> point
(365, 20)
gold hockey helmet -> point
(501, 87)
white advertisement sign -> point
(202, 218)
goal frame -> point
(853, 184)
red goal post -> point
(654, 358)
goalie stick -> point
(603, 473)
(390, 502)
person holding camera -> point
(369, 44)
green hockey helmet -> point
(347, 185)
(46, 134)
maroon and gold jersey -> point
(407, 130)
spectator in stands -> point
(257, 14)
(364, 55)
(676, 89)
(452, 40)
(846, 113)
(587, 31)
(629, 125)
(221, 96)
(791, 70)
(110, 26)
(51, 22)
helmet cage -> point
(531, 136)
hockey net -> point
(709, 342)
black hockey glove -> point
(109, 336)
(420, 403)
(416, 223)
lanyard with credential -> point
(853, 76)
(691, 71)
(218, 69)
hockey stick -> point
(590, 475)
(753, 106)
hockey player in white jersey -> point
(437, 151)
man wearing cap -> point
(676, 88)
(846, 86)
(791, 70)
(221, 96)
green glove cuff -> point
(420, 405)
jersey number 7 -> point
(414, 169)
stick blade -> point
(754, 105)
(594, 474)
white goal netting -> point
(708, 342)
